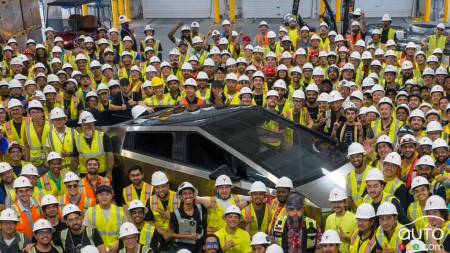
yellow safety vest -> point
(155, 205)
(311, 231)
(58, 145)
(391, 33)
(216, 212)
(48, 185)
(386, 197)
(36, 143)
(392, 186)
(146, 234)
(74, 101)
(108, 228)
(130, 193)
(168, 100)
(394, 242)
(206, 96)
(436, 42)
(11, 132)
(276, 215)
(395, 125)
(357, 191)
(446, 233)
(94, 151)
(249, 214)
(414, 212)
(359, 246)
(153, 101)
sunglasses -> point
(72, 186)
(212, 245)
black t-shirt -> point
(201, 226)
(78, 240)
(119, 99)
(17, 169)
(313, 111)
(53, 250)
(18, 127)
(259, 99)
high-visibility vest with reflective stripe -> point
(359, 246)
(155, 205)
(386, 197)
(36, 144)
(89, 233)
(141, 249)
(216, 212)
(302, 119)
(357, 191)
(277, 213)
(73, 110)
(392, 186)
(26, 222)
(311, 231)
(130, 193)
(436, 42)
(83, 204)
(87, 189)
(49, 186)
(11, 132)
(37, 195)
(94, 151)
(108, 228)
(414, 212)
(58, 145)
(249, 214)
(446, 232)
(391, 33)
(146, 234)
(394, 242)
(395, 125)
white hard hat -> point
(348, 66)
(408, 139)
(70, 208)
(33, 104)
(441, 71)
(246, 90)
(356, 55)
(433, 126)
(91, 94)
(16, 61)
(300, 51)
(89, 249)
(53, 156)
(374, 175)
(440, 26)
(406, 65)
(355, 23)
(376, 31)
(411, 45)
(386, 17)
(4, 166)
(190, 82)
(233, 210)
(385, 100)
(368, 82)
(272, 93)
(419, 181)
(155, 59)
(195, 24)
(428, 72)
(337, 194)
(334, 96)
(126, 229)
(209, 62)
(437, 51)
(425, 141)
(387, 208)
(197, 39)
(9, 215)
(52, 78)
(299, 94)
(349, 106)
(106, 66)
(432, 58)
(260, 238)
(317, 71)
(71, 177)
(393, 158)
(274, 248)
(137, 111)
(243, 78)
(323, 97)
(223, 41)
(42, 224)
(186, 185)
(435, 202)
(330, 237)
(271, 35)
(49, 200)
(159, 178)
(258, 186)
(366, 55)
(14, 83)
(373, 109)
(365, 211)
(226, 22)
(223, 180)
(296, 69)
(307, 66)
(355, 148)
(437, 88)
(183, 251)
(280, 83)
(186, 66)
(357, 94)
(29, 170)
(171, 78)
(86, 117)
(113, 83)
(81, 57)
(123, 19)
(390, 69)
(49, 89)
(56, 60)
(231, 76)
(439, 143)
(241, 60)
(284, 182)
(286, 55)
(136, 203)
(282, 67)
(57, 113)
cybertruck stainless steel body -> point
(190, 146)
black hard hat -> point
(295, 200)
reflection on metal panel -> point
(274, 9)
(176, 8)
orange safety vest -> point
(84, 203)
(25, 225)
(185, 102)
(146, 192)
(87, 189)
(263, 41)
(352, 39)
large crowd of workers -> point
(389, 108)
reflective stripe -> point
(392, 186)
(356, 190)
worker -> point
(330, 242)
(425, 167)
(106, 217)
(437, 210)
(14, 127)
(393, 185)
(92, 180)
(355, 180)
(341, 220)
(299, 111)
(42, 232)
(28, 209)
(231, 237)
(93, 143)
(15, 156)
(376, 195)
(257, 214)
(363, 240)
(190, 87)
(7, 182)
(138, 189)
(161, 204)
(260, 242)
(387, 32)
(129, 235)
(261, 38)
(35, 134)
(290, 230)
(386, 123)
(61, 139)
(420, 189)
(51, 212)
(148, 232)
(349, 131)
(437, 40)
(217, 204)
(390, 235)
(10, 239)
(76, 236)
(29, 171)
(283, 188)
(52, 181)
(72, 105)
(190, 236)
(73, 194)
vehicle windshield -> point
(277, 145)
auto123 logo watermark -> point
(420, 234)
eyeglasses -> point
(212, 245)
(72, 186)
(43, 232)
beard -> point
(294, 221)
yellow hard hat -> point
(156, 81)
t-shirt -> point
(201, 225)
(346, 223)
(52, 250)
(241, 240)
(78, 240)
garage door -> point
(376, 8)
(176, 8)
(274, 9)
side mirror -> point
(223, 170)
